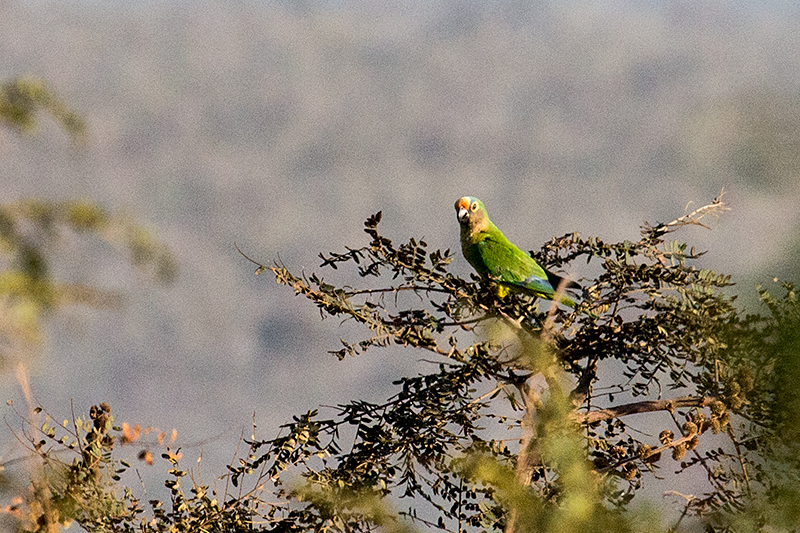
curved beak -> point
(462, 209)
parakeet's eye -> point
(474, 206)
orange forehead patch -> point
(462, 203)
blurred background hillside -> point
(282, 126)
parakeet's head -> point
(471, 213)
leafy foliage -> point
(520, 424)
(29, 233)
(22, 98)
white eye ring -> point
(474, 206)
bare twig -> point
(714, 208)
(689, 500)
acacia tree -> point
(526, 422)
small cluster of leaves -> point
(29, 232)
(85, 490)
(77, 490)
(405, 445)
(22, 98)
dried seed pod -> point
(644, 450)
(717, 408)
(666, 436)
(698, 418)
(629, 472)
(679, 452)
(715, 425)
(692, 444)
(618, 451)
(652, 458)
(689, 428)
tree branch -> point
(647, 406)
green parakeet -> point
(496, 259)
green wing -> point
(507, 264)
